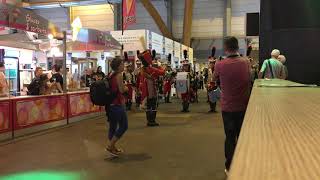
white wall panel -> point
(98, 17)
(239, 10)
(207, 18)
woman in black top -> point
(99, 72)
(58, 79)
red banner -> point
(129, 13)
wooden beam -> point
(157, 18)
(187, 23)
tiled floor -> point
(184, 147)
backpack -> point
(101, 93)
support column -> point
(117, 16)
(64, 62)
(227, 19)
(187, 23)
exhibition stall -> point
(87, 50)
(28, 41)
(22, 35)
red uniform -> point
(166, 86)
(146, 81)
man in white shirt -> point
(272, 68)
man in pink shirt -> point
(234, 75)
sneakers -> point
(226, 172)
(212, 111)
(114, 152)
(152, 124)
(185, 111)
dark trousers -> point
(201, 85)
(232, 122)
(118, 121)
(167, 97)
(152, 104)
(151, 112)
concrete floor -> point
(184, 147)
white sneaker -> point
(226, 172)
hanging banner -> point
(26, 20)
(93, 40)
(129, 13)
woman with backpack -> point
(117, 116)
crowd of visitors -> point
(228, 79)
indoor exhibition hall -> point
(159, 90)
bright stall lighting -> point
(50, 36)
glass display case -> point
(12, 76)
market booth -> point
(22, 33)
(28, 41)
(88, 50)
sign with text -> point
(190, 55)
(157, 42)
(177, 49)
(168, 43)
(26, 20)
(132, 40)
(183, 47)
(93, 40)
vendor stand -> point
(88, 50)
(94, 44)
(23, 30)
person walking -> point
(211, 86)
(234, 75)
(117, 116)
(283, 60)
(201, 81)
(272, 68)
(148, 85)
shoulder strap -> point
(270, 68)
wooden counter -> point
(280, 136)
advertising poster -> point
(39, 110)
(4, 116)
(81, 104)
